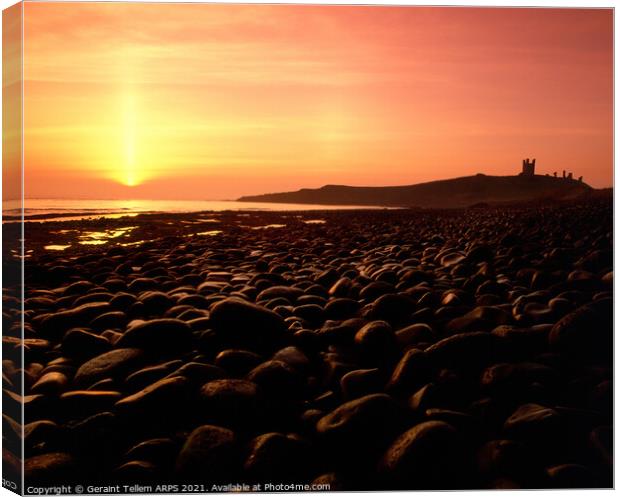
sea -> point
(41, 209)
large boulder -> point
(208, 455)
(162, 336)
(247, 325)
(114, 364)
(429, 455)
(586, 332)
(358, 428)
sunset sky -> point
(218, 101)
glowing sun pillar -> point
(129, 139)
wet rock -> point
(237, 362)
(570, 476)
(509, 458)
(78, 288)
(142, 284)
(112, 336)
(234, 403)
(290, 293)
(194, 301)
(209, 454)
(162, 336)
(197, 373)
(54, 325)
(534, 422)
(102, 430)
(427, 397)
(137, 471)
(159, 451)
(451, 259)
(121, 301)
(488, 300)
(34, 406)
(294, 357)
(52, 383)
(429, 455)
(199, 324)
(393, 308)
(332, 481)
(155, 302)
(413, 335)
(361, 382)
(277, 379)
(597, 260)
(601, 443)
(520, 342)
(11, 432)
(41, 436)
(164, 397)
(311, 299)
(334, 367)
(585, 331)
(78, 404)
(452, 298)
(336, 332)
(361, 426)
(116, 363)
(146, 376)
(514, 378)
(341, 288)
(312, 313)
(482, 318)
(114, 319)
(376, 341)
(376, 289)
(539, 313)
(480, 252)
(464, 423)
(327, 277)
(81, 344)
(411, 372)
(464, 349)
(560, 306)
(12, 466)
(608, 278)
(277, 457)
(49, 468)
(247, 324)
(341, 308)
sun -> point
(129, 168)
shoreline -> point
(290, 346)
(77, 234)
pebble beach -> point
(349, 350)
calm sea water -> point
(47, 209)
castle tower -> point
(529, 167)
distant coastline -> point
(451, 193)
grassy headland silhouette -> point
(450, 193)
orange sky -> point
(217, 101)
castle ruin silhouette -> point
(528, 167)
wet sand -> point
(363, 349)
